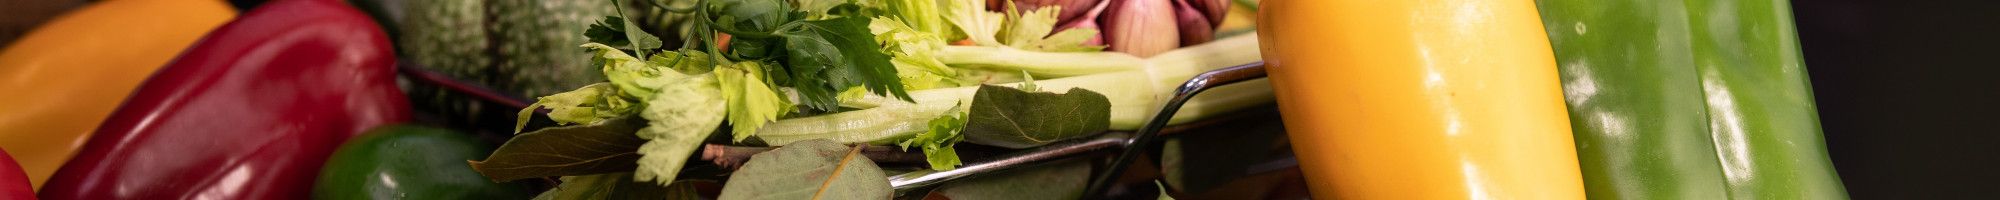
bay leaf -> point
(605, 147)
(1012, 118)
(811, 169)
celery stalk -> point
(1041, 64)
(1135, 95)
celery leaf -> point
(938, 142)
(678, 118)
(752, 102)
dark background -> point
(1906, 93)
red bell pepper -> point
(13, 182)
(250, 112)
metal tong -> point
(1130, 145)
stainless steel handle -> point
(1132, 143)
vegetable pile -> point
(818, 75)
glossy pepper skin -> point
(250, 112)
(13, 183)
(410, 162)
(1435, 99)
(1760, 106)
(66, 77)
(1694, 99)
(1635, 102)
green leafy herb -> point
(1028, 82)
(823, 47)
(635, 79)
(914, 54)
(680, 109)
(751, 101)
(921, 15)
(641, 41)
(749, 15)
(587, 105)
(1029, 31)
(678, 118)
(938, 142)
(1012, 118)
(1026, 28)
(812, 169)
(612, 30)
(975, 22)
(604, 147)
(818, 9)
(826, 57)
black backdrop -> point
(1906, 94)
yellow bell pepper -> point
(68, 75)
(1421, 99)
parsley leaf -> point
(827, 56)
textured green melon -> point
(449, 37)
(526, 48)
(538, 40)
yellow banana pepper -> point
(1421, 99)
(68, 75)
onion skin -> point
(1213, 10)
(1195, 26)
(1141, 27)
(1089, 20)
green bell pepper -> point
(410, 162)
(1695, 99)
(1760, 106)
(1635, 102)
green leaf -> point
(914, 54)
(1072, 40)
(1062, 180)
(749, 15)
(1008, 117)
(1028, 82)
(636, 79)
(922, 15)
(619, 186)
(818, 9)
(685, 61)
(971, 18)
(587, 105)
(1028, 31)
(604, 147)
(608, 31)
(641, 41)
(938, 142)
(1027, 28)
(811, 169)
(679, 117)
(751, 101)
(828, 56)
